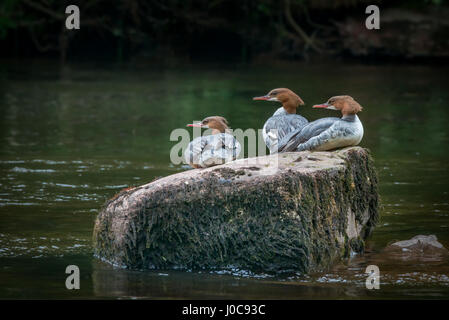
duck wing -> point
(291, 141)
(194, 150)
(279, 126)
(211, 150)
(230, 146)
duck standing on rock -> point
(328, 133)
(211, 150)
(284, 120)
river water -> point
(71, 140)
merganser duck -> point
(284, 120)
(329, 133)
(218, 148)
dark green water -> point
(70, 141)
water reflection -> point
(168, 284)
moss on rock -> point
(290, 212)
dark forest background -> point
(189, 31)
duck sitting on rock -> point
(215, 149)
(328, 133)
(284, 120)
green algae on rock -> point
(288, 212)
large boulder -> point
(288, 212)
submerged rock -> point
(418, 246)
(289, 212)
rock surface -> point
(289, 212)
(418, 246)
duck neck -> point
(220, 129)
(290, 106)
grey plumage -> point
(211, 150)
(280, 125)
(301, 135)
(325, 134)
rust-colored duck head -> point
(216, 123)
(290, 100)
(346, 104)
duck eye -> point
(274, 93)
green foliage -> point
(6, 12)
(287, 29)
